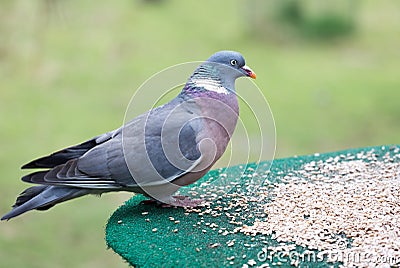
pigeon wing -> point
(64, 155)
(138, 153)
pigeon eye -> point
(233, 62)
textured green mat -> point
(150, 236)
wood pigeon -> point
(154, 154)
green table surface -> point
(151, 236)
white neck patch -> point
(210, 85)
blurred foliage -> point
(68, 69)
(327, 26)
(310, 19)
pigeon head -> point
(234, 60)
(218, 73)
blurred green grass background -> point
(69, 68)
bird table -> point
(323, 210)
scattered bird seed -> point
(251, 262)
(325, 205)
(348, 203)
(215, 245)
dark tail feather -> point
(41, 198)
(61, 156)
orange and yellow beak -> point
(249, 72)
